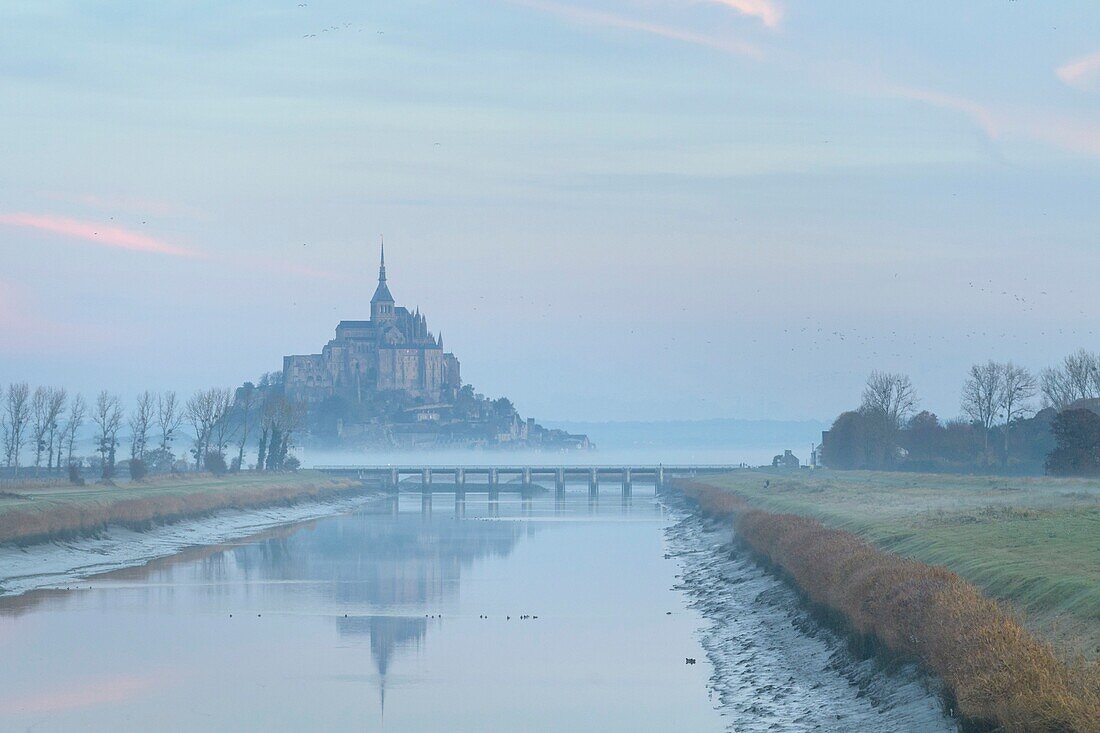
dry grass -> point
(1028, 541)
(995, 669)
(50, 512)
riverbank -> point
(995, 669)
(1028, 541)
(35, 513)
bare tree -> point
(982, 395)
(281, 420)
(1077, 378)
(141, 420)
(107, 418)
(58, 398)
(16, 417)
(891, 395)
(224, 427)
(169, 419)
(1058, 391)
(77, 411)
(203, 410)
(245, 405)
(1017, 388)
(40, 402)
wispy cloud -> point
(600, 18)
(1082, 73)
(1072, 134)
(769, 13)
(99, 233)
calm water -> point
(373, 620)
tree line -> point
(40, 430)
(1012, 419)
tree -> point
(891, 395)
(107, 417)
(39, 424)
(924, 437)
(203, 410)
(169, 419)
(1077, 444)
(859, 439)
(1077, 378)
(214, 462)
(280, 420)
(16, 416)
(141, 421)
(982, 394)
(1017, 388)
(224, 427)
(77, 410)
(244, 405)
(57, 399)
(503, 407)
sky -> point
(612, 209)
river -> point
(537, 614)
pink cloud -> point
(105, 690)
(587, 17)
(1082, 72)
(104, 235)
(1072, 134)
(769, 13)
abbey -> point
(392, 351)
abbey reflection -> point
(384, 569)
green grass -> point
(1032, 542)
(41, 510)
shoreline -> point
(996, 673)
(65, 565)
(35, 515)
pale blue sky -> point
(633, 210)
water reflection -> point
(415, 602)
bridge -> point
(497, 478)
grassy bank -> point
(1033, 542)
(997, 671)
(35, 512)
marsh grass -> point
(55, 511)
(998, 674)
(1033, 542)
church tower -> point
(381, 305)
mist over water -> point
(703, 442)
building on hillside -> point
(394, 350)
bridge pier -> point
(526, 478)
(626, 481)
(426, 480)
(559, 481)
(659, 481)
(593, 482)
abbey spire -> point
(381, 305)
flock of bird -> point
(357, 27)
